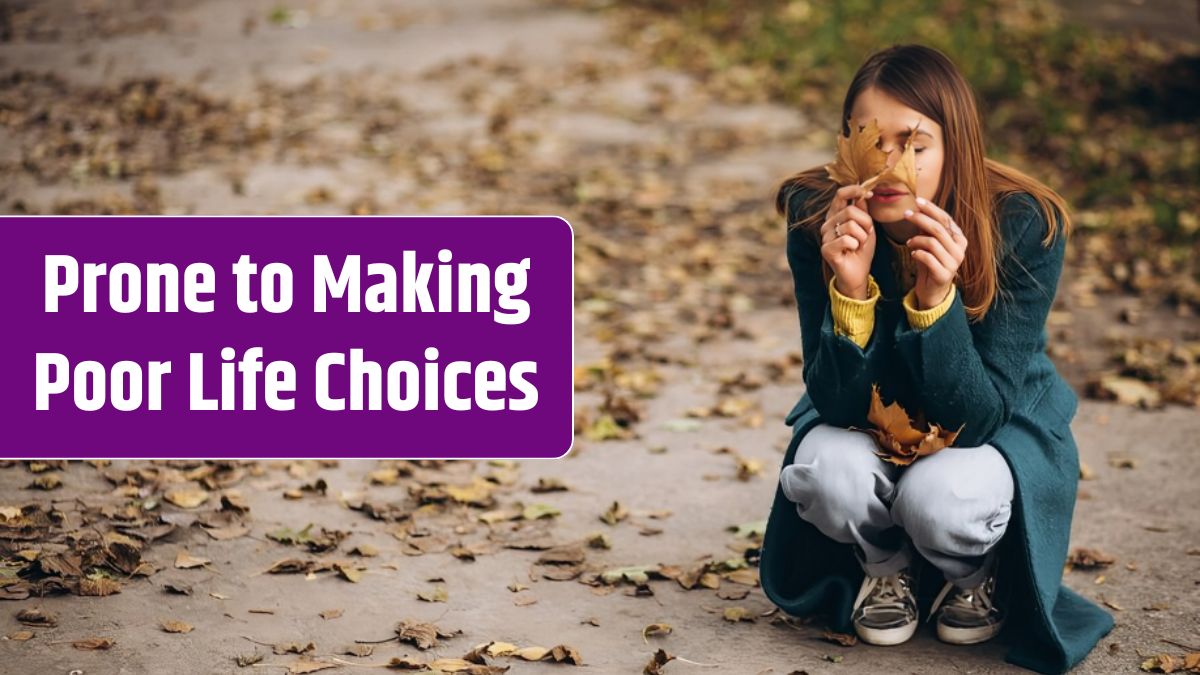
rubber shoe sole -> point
(886, 637)
(967, 636)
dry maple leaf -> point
(859, 160)
(898, 441)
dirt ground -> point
(494, 106)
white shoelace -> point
(888, 591)
(975, 599)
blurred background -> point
(660, 129)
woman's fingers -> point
(935, 229)
(840, 223)
(855, 230)
(849, 192)
(935, 211)
(940, 215)
(933, 266)
(934, 247)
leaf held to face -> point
(859, 160)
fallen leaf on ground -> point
(186, 498)
(1089, 559)
(655, 629)
(176, 626)
(656, 663)
(93, 643)
(436, 594)
(185, 560)
(37, 617)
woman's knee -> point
(957, 500)
(836, 471)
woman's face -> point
(895, 122)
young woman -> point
(940, 299)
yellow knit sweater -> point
(856, 318)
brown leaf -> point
(176, 626)
(186, 561)
(1089, 559)
(422, 635)
(290, 566)
(93, 643)
(436, 594)
(859, 158)
(736, 614)
(98, 586)
(1162, 663)
(545, 484)
(37, 617)
(293, 648)
(186, 498)
(48, 481)
(568, 554)
(615, 514)
(306, 666)
(244, 660)
(660, 659)
(655, 629)
(898, 441)
(843, 639)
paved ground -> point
(495, 106)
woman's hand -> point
(848, 241)
(939, 252)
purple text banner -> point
(286, 336)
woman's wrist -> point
(860, 293)
(934, 298)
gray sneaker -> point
(969, 616)
(885, 612)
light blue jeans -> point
(952, 506)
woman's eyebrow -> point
(908, 132)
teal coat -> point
(995, 378)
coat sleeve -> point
(971, 376)
(837, 372)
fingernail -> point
(908, 212)
(921, 201)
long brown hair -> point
(972, 186)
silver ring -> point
(837, 229)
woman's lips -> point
(888, 197)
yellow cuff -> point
(852, 317)
(924, 318)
